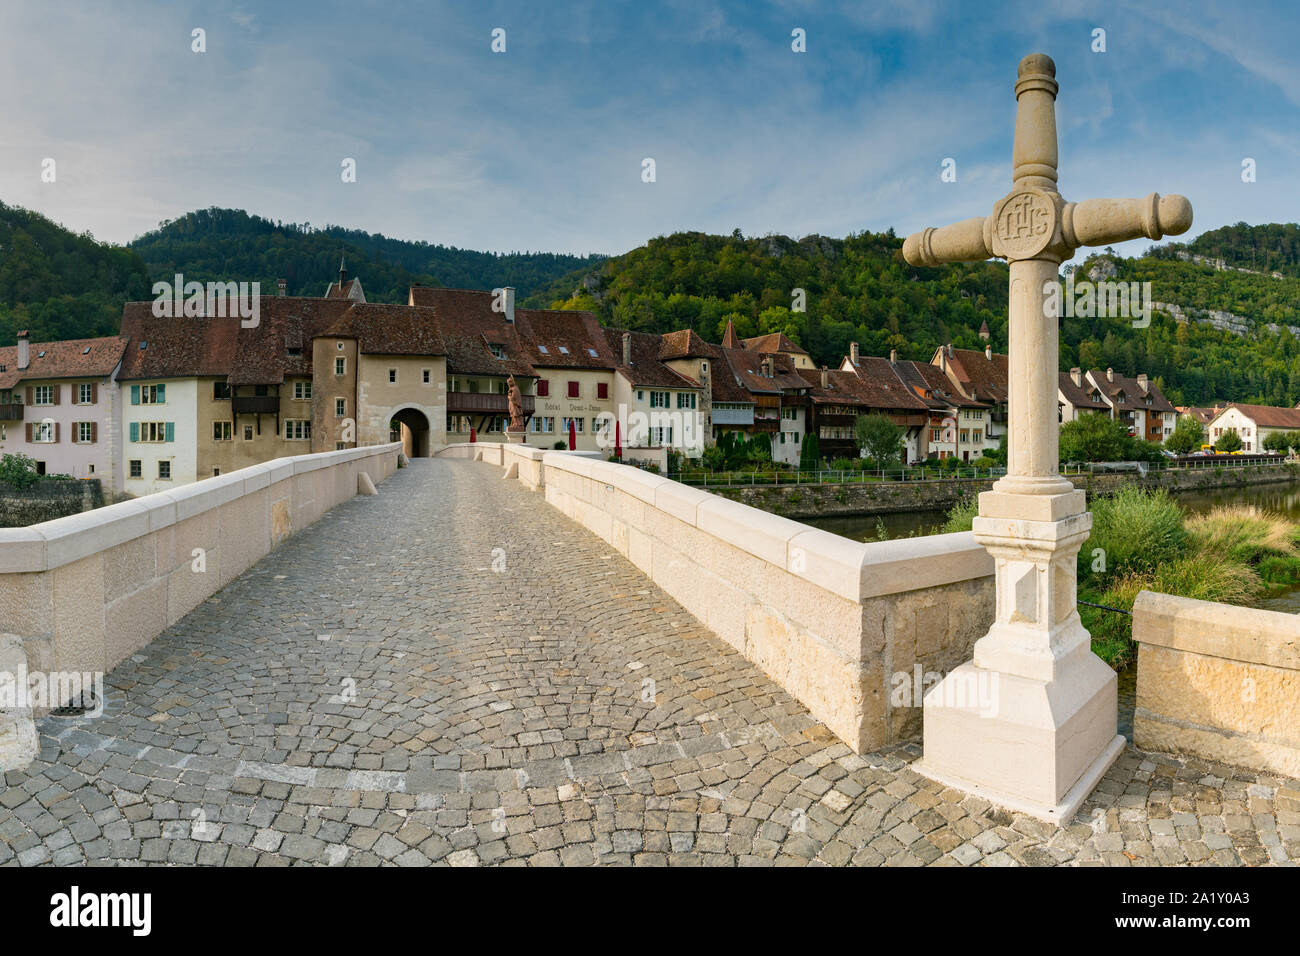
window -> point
(216, 472)
(685, 399)
(340, 366)
(340, 445)
(164, 471)
(152, 431)
(564, 350)
(221, 391)
(248, 433)
(297, 429)
(149, 394)
(134, 468)
(573, 390)
(600, 426)
(660, 399)
(43, 395)
(85, 432)
(543, 387)
(340, 407)
(222, 431)
(661, 436)
(301, 391)
(936, 434)
(640, 395)
(602, 389)
(85, 393)
(45, 431)
(392, 376)
(428, 376)
(498, 351)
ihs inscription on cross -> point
(1036, 230)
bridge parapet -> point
(856, 632)
(82, 593)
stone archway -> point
(415, 431)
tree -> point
(1094, 437)
(880, 438)
(1229, 441)
(810, 458)
(1279, 442)
(1188, 436)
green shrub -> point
(842, 464)
(1137, 529)
(961, 515)
(1243, 533)
(18, 470)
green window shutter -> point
(162, 396)
(171, 430)
(135, 426)
(135, 399)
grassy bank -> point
(1142, 540)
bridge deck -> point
(389, 686)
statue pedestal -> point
(516, 437)
(1031, 723)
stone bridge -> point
(455, 672)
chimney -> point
(951, 353)
(280, 285)
(826, 378)
(988, 352)
(893, 356)
(767, 366)
(627, 348)
(510, 302)
(1076, 376)
(1143, 382)
(1110, 375)
(24, 351)
(853, 352)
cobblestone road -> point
(376, 692)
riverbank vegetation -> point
(1142, 540)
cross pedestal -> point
(1030, 723)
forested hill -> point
(61, 285)
(860, 289)
(1272, 247)
(227, 244)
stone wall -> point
(47, 499)
(1218, 681)
(811, 501)
(83, 592)
(835, 622)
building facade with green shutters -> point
(160, 434)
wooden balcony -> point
(255, 404)
(11, 412)
(486, 403)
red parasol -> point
(473, 435)
(618, 439)
(573, 436)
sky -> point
(541, 147)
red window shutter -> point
(29, 429)
(31, 395)
(543, 387)
(54, 398)
(602, 389)
(573, 390)
(56, 432)
(94, 431)
(94, 392)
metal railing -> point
(708, 479)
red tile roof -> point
(772, 342)
(981, 378)
(1268, 416)
(646, 369)
(72, 358)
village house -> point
(952, 429)
(1138, 402)
(1253, 424)
(870, 386)
(59, 405)
(980, 377)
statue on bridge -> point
(515, 430)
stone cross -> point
(1050, 732)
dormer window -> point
(498, 351)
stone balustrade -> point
(1218, 681)
(81, 593)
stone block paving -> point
(454, 673)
